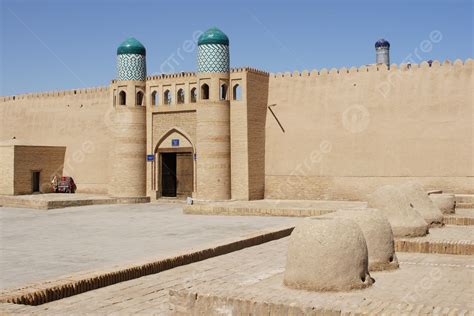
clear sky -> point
(67, 44)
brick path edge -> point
(37, 294)
(449, 247)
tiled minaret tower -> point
(213, 117)
(128, 156)
(213, 52)
(382, 52)
(131, 60)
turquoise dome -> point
(213, 36)
(131, 46)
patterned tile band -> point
(131, 67)
(213, 58)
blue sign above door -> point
(150, 157)
(175, 142)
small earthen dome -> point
(404, 219)
(327, 254)
(445, 202)
(420, 200)
(378, 236)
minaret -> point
(382, 52)
(213, 117)
(128, 155)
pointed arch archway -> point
(174, 166)
(170, 132)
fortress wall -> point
(7, 167)
(257, 84)
(239, 138)
(49, 160)
(348, 131)
(77, 119)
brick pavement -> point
(426, 282)
(39, 245)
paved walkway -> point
(291, 208)
(37, 245)
(61, 200)
(432, 281)
(448, 232)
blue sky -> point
(55, 45)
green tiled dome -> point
(131, 46)
(213, 36)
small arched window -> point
(205, 92)
(223, 94)
(167, 97)
(180, 96)
(193, 95)
(139, 98)
(236, 92)
(154, 98)
(122, 98)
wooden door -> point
(184, 174)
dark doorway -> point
(168, 172)
(35, 181)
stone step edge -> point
(47, 205)
(448, 247)
(458, 220)
(186, 302)
(465, 205)
(37, 294)
(247, 211)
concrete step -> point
(464, 198)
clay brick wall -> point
(46, 159)
(348, 131)
(257, 100)
(213, 150)
(182, 121)
(248, 117)
(239, 138)
(77, 119)
(127, 163)
(6, 170)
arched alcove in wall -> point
(174, 171)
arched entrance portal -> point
(174, 165)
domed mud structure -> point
(327, 254)
(378, 236)
(420, 200)
(444, 201)
(402, 216)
